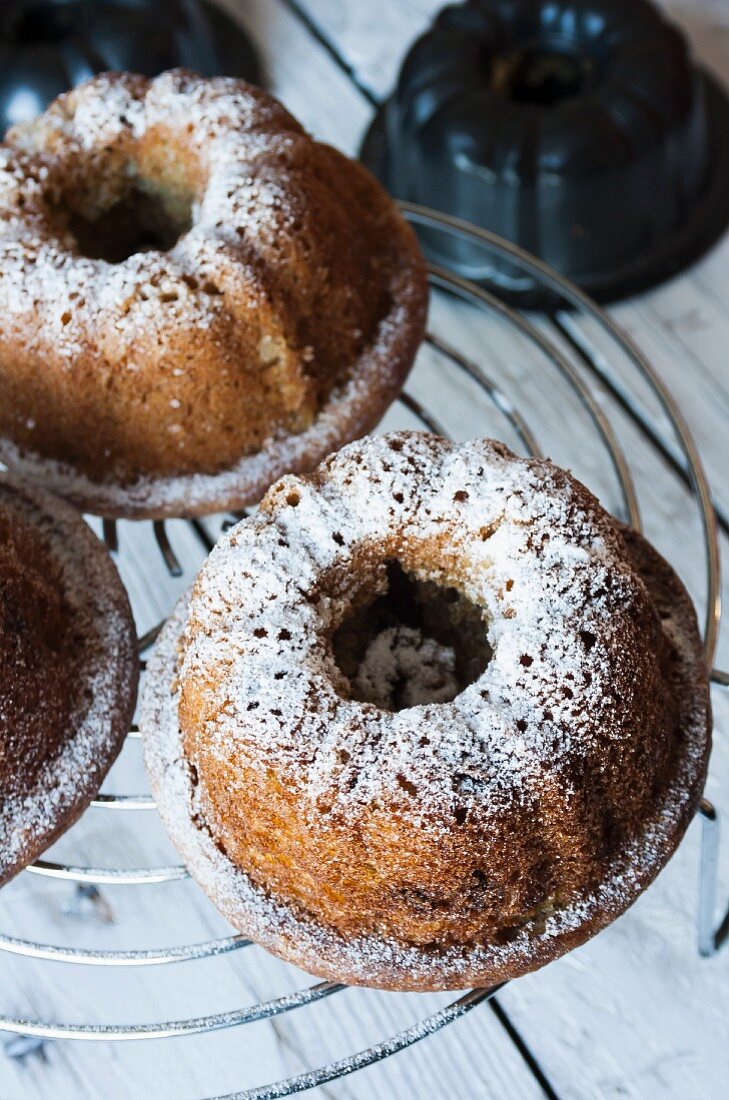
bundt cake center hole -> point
(141, 221)
(416, 643)
(542, 76)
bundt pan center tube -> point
(428, 720)
(196, 296)
(581, 130)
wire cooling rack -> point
(560, 355)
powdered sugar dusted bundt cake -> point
(430, 718)
(68, 669)
(196, 296)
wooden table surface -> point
(635, 1014)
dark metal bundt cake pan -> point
(48, 46)
(581, 130)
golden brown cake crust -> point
(451, 843)
(196, 296)
(68, 669)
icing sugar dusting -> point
(551, 570)
(402, 655)
(512, 522)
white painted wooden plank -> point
(374, 37)
(301, 74)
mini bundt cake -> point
(68, 669)
(196, 296)
(430, 718)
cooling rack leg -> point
(111, 535)
(160, 533)
(708, 937)
(88, 903)
(20, 1046)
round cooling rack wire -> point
(541, 340)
